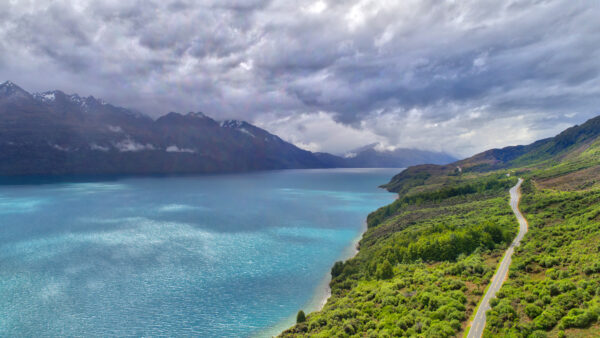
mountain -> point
(370, 157)
(56, 133)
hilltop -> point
(564, 147)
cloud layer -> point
(459, 76)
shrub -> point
(548, 319)
(578, 318)
(532, 311)
(385, 270)
(538, 334)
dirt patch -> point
(578, 180)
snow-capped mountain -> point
(370, 156)
(57, 133)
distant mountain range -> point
(370, 157)
(58, 134)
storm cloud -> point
(457, 76)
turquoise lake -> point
(209, 256)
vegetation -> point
(426, 278)
(300, 317)
(427, 258)
(553, 287)
(489, 185)
(554, 282)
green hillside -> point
(426, 259)
(554, 282)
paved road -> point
(479, 321)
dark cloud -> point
(443, 75)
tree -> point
(301, 317)
(385, 270)
(337, 269)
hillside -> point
(426, 259)
(545, 153)
(554, 281)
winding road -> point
(478, 323)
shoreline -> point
(348, 253)
(321, 293)
(324, 290)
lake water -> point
(231, 255)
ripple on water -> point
(218, 256)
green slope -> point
(426, 259)
(553, 288)
(419, 271)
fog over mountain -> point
(457, 76)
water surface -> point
(229, 255)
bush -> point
(385, 270)
(588, 270)
(578, 318)
(440, 329)
(548, 319)
(538, 334)
(532, 311)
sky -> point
(454, 76)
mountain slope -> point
(540, 154)
(55, 133)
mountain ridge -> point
(370, 156)
(57, 133)
(537, 154)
